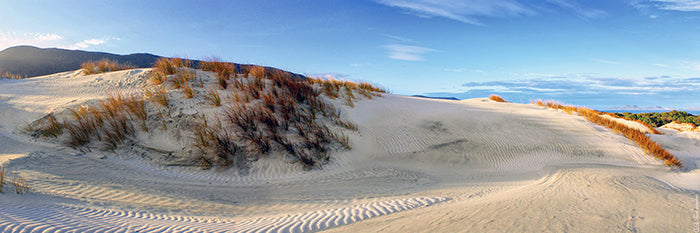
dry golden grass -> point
(16, 180)
(213, 96)
(166, 66)
(9, 75)
(257, 71)
(158, 95)
(104, 65)
(2, 177)
(224, 71)
(189, 93)
(47, 126)
(269, 110)
(497, 98)
(334, 89)
(642, 140)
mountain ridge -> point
(30, 61)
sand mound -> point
(416, 165)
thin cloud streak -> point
(679, 5)
(10, 39)
(84, 44)
(406, 52)
(44, 40)
(601, 92)
(469, 11)
(577, 8)
(605, 61)
(463, 11)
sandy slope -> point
(417, 165)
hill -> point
(29, 61)
(32, 61)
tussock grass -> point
(213, 96)
(109, 121)
(164, 67)
(189, 93)
(342, 88)
(83, 126)
(8, 75)
(13, 179)
(104, 65)
(270, 111)
(158, 95)
(642, 140)
(47, 126)
(497, 98)
(224, 71)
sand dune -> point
(417, 165)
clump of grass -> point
(158, 95)
(104, 65)
(157, 77)
(213, 97)
(137, 109)
(189, 93)
(332, 88)
(2, 177)
(257, 71)
(47, 126)
(169, 66)
(166, 66)
(224, 71)
(83, 126)
(8, 75)
(497, 98)
(642, 140)
(18, 182)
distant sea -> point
(694, 112)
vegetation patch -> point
(8, 75)
(658, 119)
(497, 98)
(244, 116)
(104, 65)
(12, 181)
(642, 140)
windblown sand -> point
(417, 165)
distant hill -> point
(31, 61)
(436, 97)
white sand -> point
(417, 165)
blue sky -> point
(594, 53)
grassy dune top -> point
(239, 116)
(642, 140)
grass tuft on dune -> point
(642, 140)
(242, 117)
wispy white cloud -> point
(44, 40)
(579, 9)
(679, 5)
(10, 39)
(690, 65)
(399, 39)
(471, 11)
(592, 91)
(84, 44)
(328, 75)
(406, 52)
(461, 10)
(461, 70)
(605, 61)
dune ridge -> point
(415, 165)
